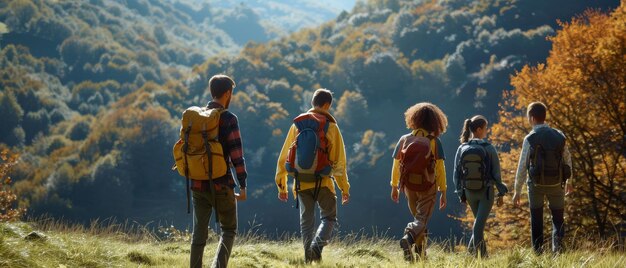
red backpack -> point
(417, 162)
(307, 159)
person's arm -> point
(440, 175)
(337, 157)
(496, 173)
(235, 151)
(395, 173)
(281, 171)
(395, 168)
(567, 157)
(440, 168)
(522, 171)
(458, 189)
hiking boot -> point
(420, 252)
(307, 256)
(316, 253)
(420, 246)
(406, 243)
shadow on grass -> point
(139, 258)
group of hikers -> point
(314, 156)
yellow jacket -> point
(337, 157)
(440, 168)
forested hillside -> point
(92, 92)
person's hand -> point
(515, 200)
(500, 201)
(283, 197)
(569, 189)
(442, 201)
(345, 198)
(241, 196)
(394, 194)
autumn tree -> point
(8, 210)
(583, 83)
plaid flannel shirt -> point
(230, 138)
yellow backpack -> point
(198, 139)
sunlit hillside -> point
(91, 95)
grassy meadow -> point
(97, 246)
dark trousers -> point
(556, 203)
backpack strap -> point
(433, 140)
(433, 144)
(185, 149)
(207, 146)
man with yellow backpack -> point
(209, 143)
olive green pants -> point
(226, 207)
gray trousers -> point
(327, 202)
(227, 210)
(556, 203)
(481, 205)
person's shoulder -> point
(490, 147)
(438, 140)
(530, 134)
(405, 136)
(559, 131)
(229, 116)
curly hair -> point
(427, 116)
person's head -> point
(322, 99)
(426, 116)
(536, 113)
(221, 87)
(474, 127)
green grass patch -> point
(77, 247)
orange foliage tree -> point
(8, 211)
(583, 84)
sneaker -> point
(406, 243)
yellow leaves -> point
(367, 137)
(8, 212)
(3, 28)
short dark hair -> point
(321, 97)
(538, 111)
(220, 84)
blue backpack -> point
(307, 160)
